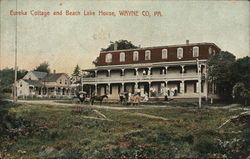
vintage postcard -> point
(124, 79)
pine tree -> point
(76, 76)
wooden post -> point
(199, 80)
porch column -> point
(205, 82)
(122, 89)
(70, 89)
(149, 71)
(61, 91)
(136, 71)
(108, 89)
(55, 91)
(182, 69)
(108, 73)
(166, 84)
(136, 84)
(205, 89)
(182, 87)
(149, 86)
(197, 87)
(95, 73)
(166, 69)
(166, 88)
(90, 91)
(41, 89)
(47, 91)
(123, 72)
(95, 89)
(136, 87)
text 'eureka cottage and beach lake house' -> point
(153, 72)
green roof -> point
(39, 75)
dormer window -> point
(122, 57)
(164, 54)
(135, 56)
(108, 58)
(147, 55)
(196, 51)
(180, 53)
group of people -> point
(134, 99)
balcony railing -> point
(141, 78)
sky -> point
(65, 41)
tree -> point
(242, 71)
(241, 94)
(76, 71)
(76, 76)
(241, 90)
(121, 45)
(43, 67)
(221, 74)
(7, 79)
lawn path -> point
(55, 103)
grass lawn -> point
(41, 131)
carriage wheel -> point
(75, 101)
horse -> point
(97, 98)
(135, 99)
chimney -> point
(187, 42)
(54, 71)
(115, 46)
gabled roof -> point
(53, 77)
(33, 82)
(39, 75)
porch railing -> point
(141, 78)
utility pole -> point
(15, 75)
(0, 35)
(199, 80)
(81, 76)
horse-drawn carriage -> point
(80, 97)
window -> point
(180, 53)
(147, 55)
(122, 57)
(164, 54)
(108, 58)
(196, 51)
(21, 84)
(210, 51)
(60, 81)
(135, 56)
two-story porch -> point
(155, 80)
